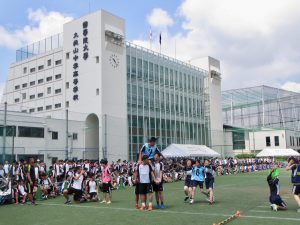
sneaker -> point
(68, 202)
(274, 207)
(33, 203)
(137, 206)
(103, 202)
(150, 208)
(109, 202)
(191, 201)
(162, 206)
(186, 198)
(158, 206)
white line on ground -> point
(260, 211)
(174, 212)
(263, 206)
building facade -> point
(121, 93)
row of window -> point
(39, 95)
(41, 67)
(293, 142)
(276, 141)
(31, 132)
(41, 108)
(40, 81)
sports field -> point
(247, 193)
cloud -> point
(291, 86)
(256, 41)
(159, 18)
(41, 25)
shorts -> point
(188, 183)
(93, 194)
(296, 189)
(30, 188)
(136, 191)
(77, 193)
(195, 183)
(157, 187)
(106, 187)
(210, 183)
(276, 199)
(145, 189)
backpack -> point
(296, 175)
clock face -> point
(114, 61)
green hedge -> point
(245, 155)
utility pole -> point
(67, 135)
(4, 132)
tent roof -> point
(273, 152)
(181, 150)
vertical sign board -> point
(85, 55)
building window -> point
(32, 96)
(39, 109)
(24, 85)
(32, 83)
(23, 95)
(58, 105)
(48, 90)
(97, 91)
(75, 136)
(31, 132)
(40, 81)
(25, 70)
(97, 59)
(40, 95)
(57, 76)
(67, 55)
(268, 141)
(10, 131)
(67, 104)
(276, 140)
(24, 111)
(31, 110)
(54, 135)
(57, 62)
(48, 107)
(67, 85)
(49, 79)
(57, 91)
(17, 100)
(17, 87)
(49, 62)
(41, 67)
(32, 70)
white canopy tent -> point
(273, 152)
(181, 150)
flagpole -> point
(160, 43)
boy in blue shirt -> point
(198, 176)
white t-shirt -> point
(92, 186)
(157, 168)
(6, 168)
(77, 184)
(144, 174)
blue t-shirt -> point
(198, 173)
(150, 151)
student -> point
(91, 188)
(31, 180)
(136, 183)
(106, 182)
(75, 187)
(46, 186)
(188, 182)
(197, 179)
(158, 183)
(209, 180)
(21, 193)
(149, 149)
(144, 177)
(275, 199)
(295, 178)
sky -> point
(257, 41)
